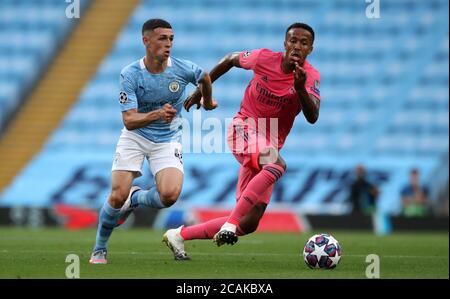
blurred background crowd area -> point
(381, 142)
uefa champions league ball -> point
(322, 251)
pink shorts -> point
(246, 143)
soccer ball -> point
(322, 251)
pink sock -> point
(205, 230)
(256, 187)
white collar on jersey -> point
(141, 62)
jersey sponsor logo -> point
(316, 87)
(123, 98)
(246, 54)
(174, 86)
(267, 97)
(264, 78)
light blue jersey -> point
(147, 92)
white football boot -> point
(175, 242)
(226, 235)
(98, 257)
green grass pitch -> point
(139, 253)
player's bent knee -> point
(170, 196)
(268, 155)
(118, 197)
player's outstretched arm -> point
(135, 120)
(310, 104)
(206, 91)
(224, 65)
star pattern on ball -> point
(322, 251)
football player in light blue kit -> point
(151, 98)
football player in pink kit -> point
(283, 85)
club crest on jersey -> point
(316, 87)
(246, 54)
(123, 98)
(174, 86)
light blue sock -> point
(149, 198)
(107, 220)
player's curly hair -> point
(301, 25)
(155, 23)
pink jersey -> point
(271, 93)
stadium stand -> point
(384, 88)
(59, 86)
(31, 33)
